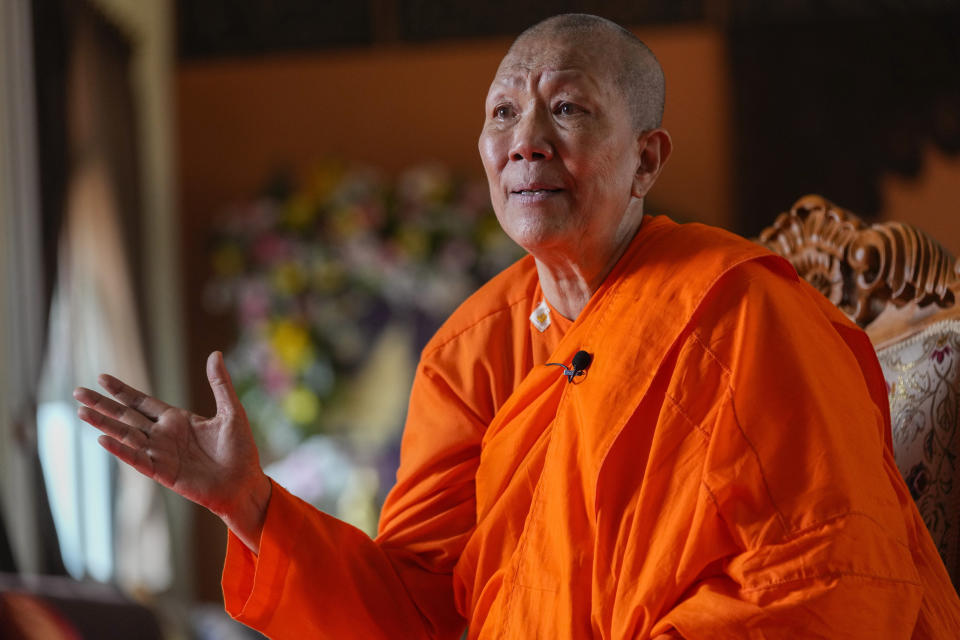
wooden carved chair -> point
(901, 287)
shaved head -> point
(636, 70)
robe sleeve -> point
(318, 577)
(799, 478)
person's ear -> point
(655, 147)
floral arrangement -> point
(313, 273)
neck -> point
(569, 281)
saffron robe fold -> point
(723, 470)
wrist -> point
(247, 517)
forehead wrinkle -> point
(569, 75)
(513, 80)
(528, 76)
(547, 54)
(557, 53)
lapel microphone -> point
(578, 366)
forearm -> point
(316, 576)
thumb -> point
(219, 377)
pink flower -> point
(276, 380)
(269, 248)
(254, 304)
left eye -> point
(567, 109)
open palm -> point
(211, 461)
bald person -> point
(716, 463)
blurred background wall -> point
(858, 101)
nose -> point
(532, 138)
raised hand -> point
(211, 461)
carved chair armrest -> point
(866, 270)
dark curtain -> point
(7, 563)
(50, 45)
(59, 26)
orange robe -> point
(723, 470)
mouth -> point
(535, 190)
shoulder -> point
(729, 260)
(764, 276)
(762, 322)
(492, 308)
(685, 263)
(748, 311)
(474, 360)
(754, 301)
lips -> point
(536, 192)
(535, 189)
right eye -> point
(503, 112)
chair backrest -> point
(901, 287)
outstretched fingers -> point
(115, 410)
(138, 458)
(122, 431)
(147, 405)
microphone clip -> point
(578, 366)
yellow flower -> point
(288, 278)
(291, 343)
(228, 260)
(301, 405)
(326, 177)
(327, 275)
(300, 211)
(348, 220)
(413, 242)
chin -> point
(537, 240)
(537, 228)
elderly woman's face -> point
(559, 147)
